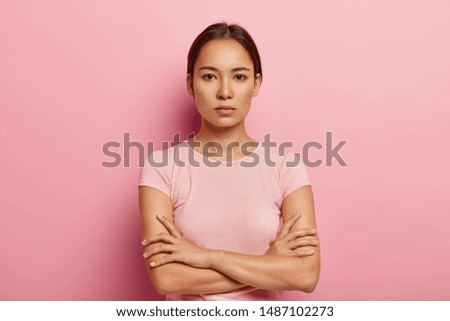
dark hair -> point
(223, 31)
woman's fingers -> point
(303, 253)
(299, 252)
(169, 226)
(302, 243)
(287, 226)
(163, 237)
(300, 233)
(163, 248)
(160, 237)
(164, 260)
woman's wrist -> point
(212, 258)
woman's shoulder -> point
(163, 156)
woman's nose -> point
(224, 91)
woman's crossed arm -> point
(179, 266)
(176, 277)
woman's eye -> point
(208, 76)
(241, 77)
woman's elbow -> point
(307, 283)
(313, 280)
(311, 285)
(163, 284)
(161, 287)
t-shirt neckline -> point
(222, 161)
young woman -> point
(223, 216)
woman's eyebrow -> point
(215, 69)
(208, 68)
(240, 69)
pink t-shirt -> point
(232, 206)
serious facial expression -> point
(223, 83)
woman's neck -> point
(223, 136)
(231, 136)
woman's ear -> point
(258, 80)
(190, 85)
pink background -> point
(76, 74)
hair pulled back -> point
(224, 31)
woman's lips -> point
(224, 110)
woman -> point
(212, 215)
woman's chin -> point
(222, 123)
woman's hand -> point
(178, 249)
(292, 243)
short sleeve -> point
(157, 173)
(293, 174)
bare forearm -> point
(183, 279)
(271, 272)
(180, 266)
(268, 271)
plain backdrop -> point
(77, 74)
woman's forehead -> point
(223, 54)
